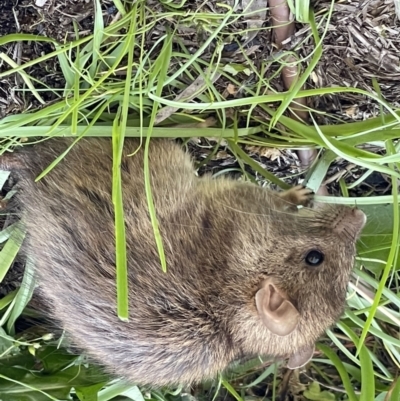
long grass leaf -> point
(98, 32)
(163, 60)
(120, 235)
(270, 98)
(341, 370)
(24, 76)
(391, 258)
(117, 193)
(24, 294)
(9, 252)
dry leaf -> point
(229, 90)
(198, 86)
(269, 153)
(222, 154)
(352, 111)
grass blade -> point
(341, 370)
(120, 235)
(163, 62)
(9, 252)
(23, 296)
(392, 254)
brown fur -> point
(222, 238)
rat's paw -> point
(298, 195)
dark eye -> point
(314, 258)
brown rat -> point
(248, 273)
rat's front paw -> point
(298, 195)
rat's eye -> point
(314, 258)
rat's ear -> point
(301, 357)
(277, 313)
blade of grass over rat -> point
(341, 370)
(118, 144)
(161, 69)
(54, 163)
(120, 235)
(392, 254)
(81, 134)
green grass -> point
(116, 84)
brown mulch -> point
(362, 44)
(57, 20)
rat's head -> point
(300, 279)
